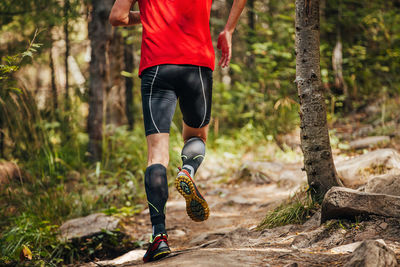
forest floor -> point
(237, 206)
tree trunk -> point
(337, 64)
(129, 64)
(99, 35)
(53, 81)
(252, 30)
(66, 32)
(115, 97)
(318, 161)
(1, 138)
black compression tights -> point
(193, 154)
(157, 194)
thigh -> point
(158, 101)
(195, 96)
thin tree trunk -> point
(115, 97)
(1, 138)
(252, 29)
(337, 65)
(129, 64)
(66, 32)
(99, 35)
(53, 82)
(315, 144)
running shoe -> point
(196, 205)
(158, 248)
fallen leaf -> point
(26, 253)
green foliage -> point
(296, 210)
(370, 36)
(27, 230)
(262, 71)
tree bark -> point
(99, 35)
(315, 144)
(53, 81)
(1, 138)
(252, 30)
(129, 64)
(337, 64)
(66, 32)
(115, 98)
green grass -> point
(295, 210)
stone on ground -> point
(340, 202)
(368, 142)
(355, 172)
(89, 225)
(9, 171)
(261, 172)
(131, 256)
(372, 253)
(349, 248)
(388, 184)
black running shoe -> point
(158, 248)
(196, 205)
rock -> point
(356, 171)
(349, 248)
(313, 222)
(267, 172)
(9, 171)
(259, 172)
(308, 239)
(372, 253)
(363, 131)
(176, 233)
(89, 225)
(388, 184)
(239, 200)
(132, 255)
(371, 141)
(340, 202)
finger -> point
(226, 59)
(229, 58)
(221, 60)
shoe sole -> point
(161, 254)
(196, 207)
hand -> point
(225, 45)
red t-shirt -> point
(176, 32)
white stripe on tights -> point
(151, 91)
(204, 95)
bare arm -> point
(225, 37)
(122, 16)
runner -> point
(177, 61)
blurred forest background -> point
(70, 105)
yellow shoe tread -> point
(190, 197)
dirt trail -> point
(229, 237)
